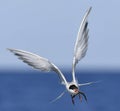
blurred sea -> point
(33, 91)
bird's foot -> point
(72, 99)
(80, 97)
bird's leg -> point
(72, 99)
(83, 95)
(80, 97)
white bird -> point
(44, 64)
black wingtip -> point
(9, 49)
(89, 9)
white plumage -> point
(38, 62)
(43, 64)
(81, 44)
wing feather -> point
(38, 62)
(81, 44)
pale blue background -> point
(49, 28)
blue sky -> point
(49, 28)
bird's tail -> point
(58, 97)
(89, 83)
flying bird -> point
(43, 64)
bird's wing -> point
(81, 42)
(38, 62)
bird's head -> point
(73, 89)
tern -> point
(43, 64)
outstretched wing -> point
(38, 62)
(81, 42)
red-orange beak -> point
(76, 90)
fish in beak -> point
(80, 95)
(83, 94)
